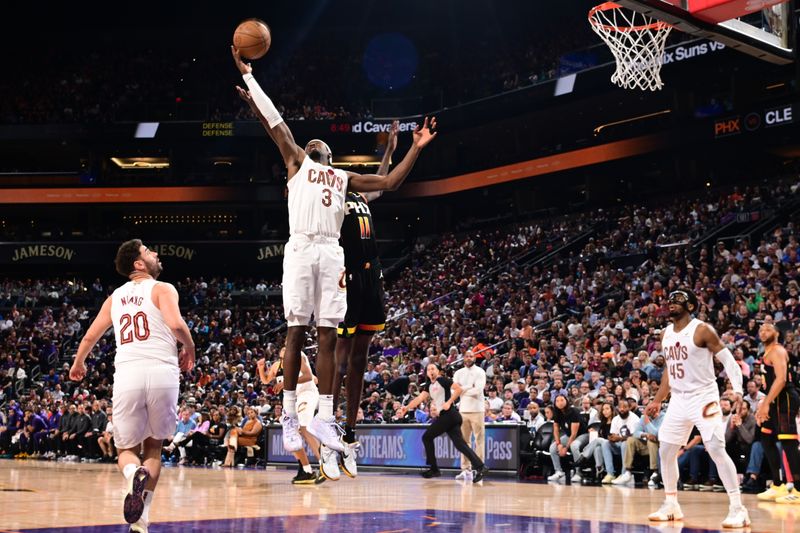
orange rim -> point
(608, 6)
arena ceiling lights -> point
(357, 160)
(129, 163)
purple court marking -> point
(395, 522)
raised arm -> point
(374, 182)
(99, 326)
(292, 154)
(383, 169)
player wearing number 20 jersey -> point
(147, 326)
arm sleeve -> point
(262, 101)
(732, 369)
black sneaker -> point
(304, 478)
(750, 486)
(431, 473)
(477, 475)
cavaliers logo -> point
(342, 282)
(711, 410)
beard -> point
(468, 363)
(155, 269)
(675, 314)
(315, 155)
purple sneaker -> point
(134, 500)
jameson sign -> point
(33, 252)
(102, 253)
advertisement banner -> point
(400, 445)
(245, 253)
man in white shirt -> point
(472, 380)
(533, 417)
(753, 396)
(622, 426)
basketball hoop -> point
(637, 42)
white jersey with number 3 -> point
(690, 367)
(316, 200)
(139, 327)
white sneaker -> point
(138, 527)
(558, 476)
(329, 463)
(464, 475)
(349, 465)
(624, 479)
(667, 512)
(737, 517)
(327, 432)
(576, 477)
(292, 441)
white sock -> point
(129, 469)
(147, 496)
(307, 469)
(290, 402)
(789, 486)
(326, 406)
(671, 498)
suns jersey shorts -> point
(145, 402)
(685, 411)
(314, 281)
(783, 415)
(365, 301)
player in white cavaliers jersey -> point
(313, 263)
(147, 327)
(689, 346)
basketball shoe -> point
(329, 463)
(292, 441)
(773, 493)
(667, 512)
(328, 432)
(737, 518)
(349, 465)
(138, 527)
(134, 500)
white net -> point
(637, 42)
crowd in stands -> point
(547, 312)
(91, 82)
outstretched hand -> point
(391, 144)
(425, 134)
(244, 95)
(243, 67)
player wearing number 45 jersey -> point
(314, 281)
(147, 326)
(689, 347)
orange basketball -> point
(252, 38)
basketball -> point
(252, 38)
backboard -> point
(761, 28)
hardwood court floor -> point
(57, 496)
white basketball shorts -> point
(307, 402)
(314, 281)
(688, 410)
(145, 402)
